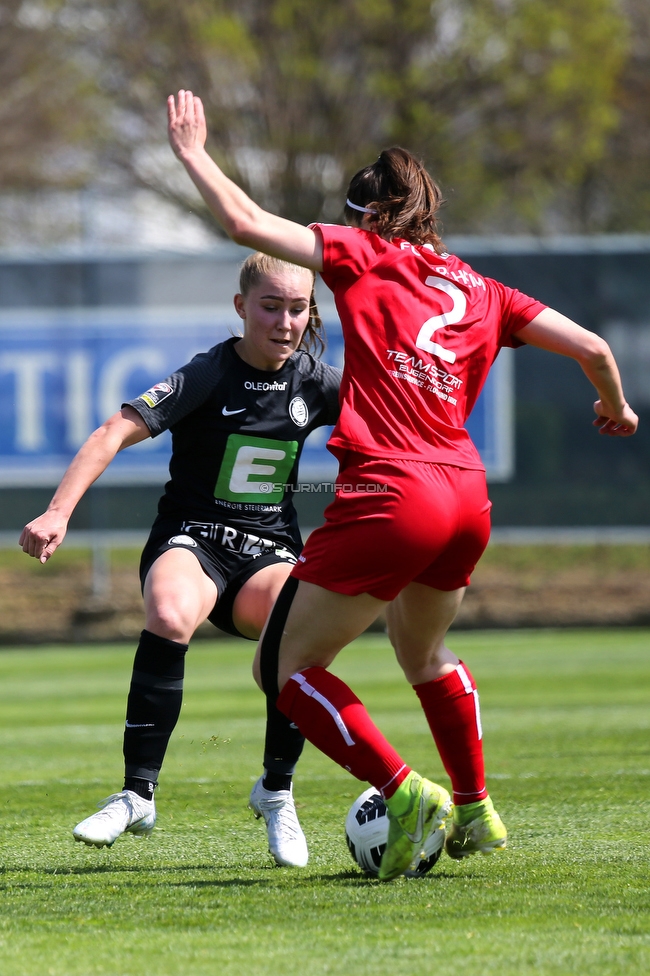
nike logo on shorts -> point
(143, 725)
(228, 413)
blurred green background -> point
(534, 116)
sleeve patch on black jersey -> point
(156, 394)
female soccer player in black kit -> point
(226, 536)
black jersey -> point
(237, 435)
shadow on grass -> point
(112, 869)
(304, 881)
(272, 877)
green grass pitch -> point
(567, 744)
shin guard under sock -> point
(284, 741)
(331, 716)
(153, 705)
(452, 709)
(282, 748)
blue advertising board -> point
(63, 372)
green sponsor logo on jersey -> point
(255, 469)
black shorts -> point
(229, 557)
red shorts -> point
(394, 522)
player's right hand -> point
(186, 126)
(621, 424)
(42, 537)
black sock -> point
(153, 705)
(284, 741)
(143, 787)
(282, 749)
(276, 781)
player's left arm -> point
(241, 218)
(554, 332)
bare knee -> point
(170, 622)
(178, 595)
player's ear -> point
(238, 302)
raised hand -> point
(241, 218)
(186, 127)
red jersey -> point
(421, 332)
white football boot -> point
(287, 842)
(120, 813)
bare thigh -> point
(319, 624)
(418, 620)
(178, 595)
(255, 600)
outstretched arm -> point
(554, 332)
(240, 217)
(46, 533)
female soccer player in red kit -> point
(411, 516)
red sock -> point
(451, 706)
(331, 716)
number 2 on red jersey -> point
(436, 322)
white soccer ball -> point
(366, 832)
